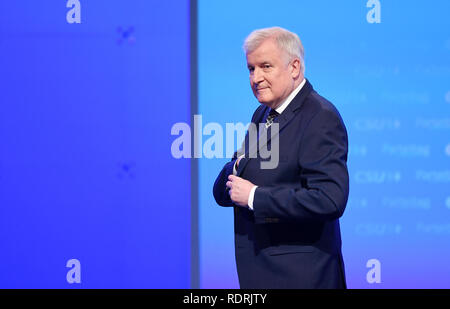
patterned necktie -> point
(272, 115)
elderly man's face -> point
(271, 78)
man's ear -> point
(295, 68)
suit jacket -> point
(292, 238)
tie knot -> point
(272, 114)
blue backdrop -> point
(391, 83)
(86, 111)
(86, 171)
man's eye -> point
(251, 69)
(266, 66)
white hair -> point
(287, 41)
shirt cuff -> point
(251, 196)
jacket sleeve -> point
(323, 189)
(220, 189)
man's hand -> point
(239, 190)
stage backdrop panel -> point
(86, 170)
(390, 81)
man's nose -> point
(257, 76)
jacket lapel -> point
(282, 120)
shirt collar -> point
(291, 96)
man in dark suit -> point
(286, 217)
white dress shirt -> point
(279, 110)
